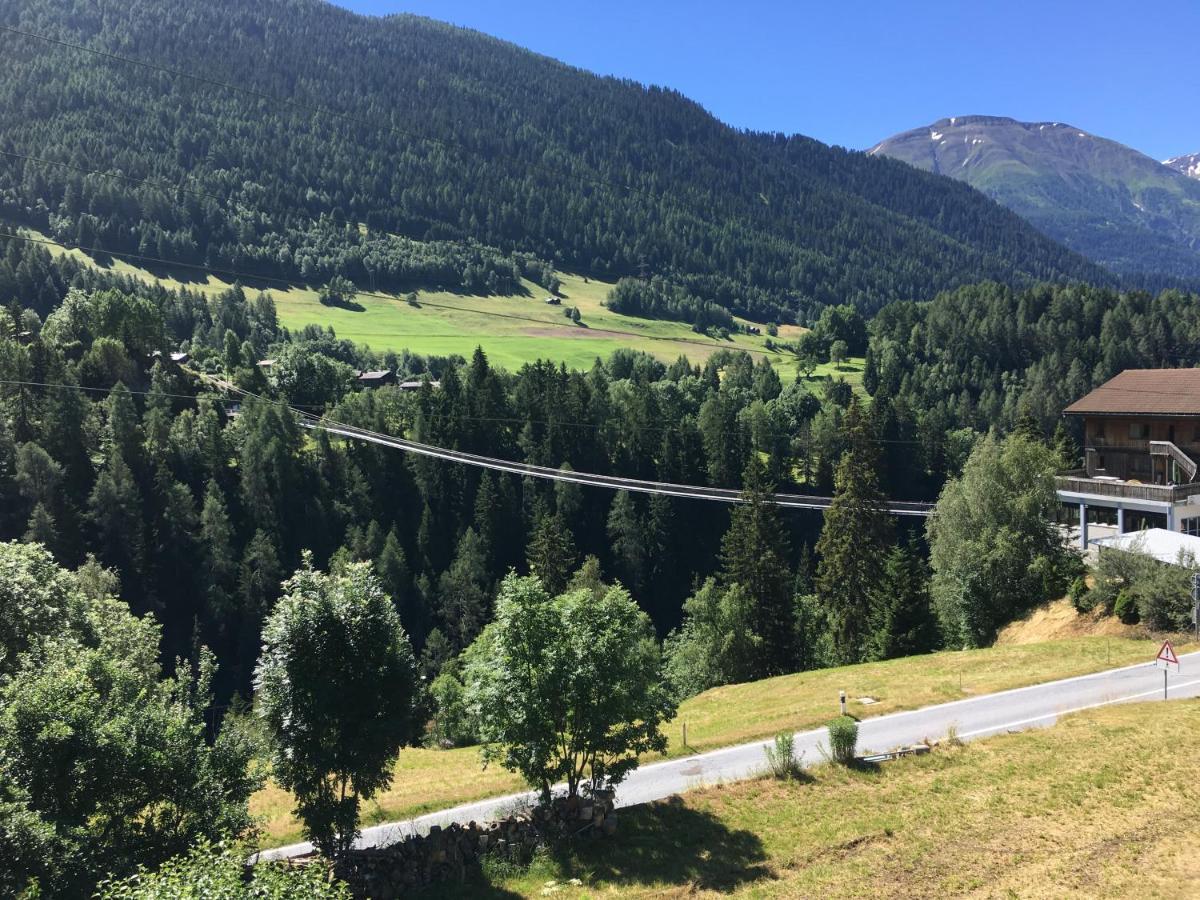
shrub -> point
(209, 871)
(1125, 607)
(843, 739)
(452, 725)
(1081, 597)
(781, 757)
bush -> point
(1081, 597)
(1125, 607)
(843, 739)
(219, 872)
(781, 757)
(452, 725)
(716, 644)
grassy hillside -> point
(428, 780)
(513, 329)
(469, 161)
(518, 328)
(1089, 808)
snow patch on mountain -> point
(1189, 165)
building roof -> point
(380, 376)
(1156, 392)
(1165, 546)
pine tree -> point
(627, 539)
(392, 568)
(666, 589)
(41, 528)
(754, 554)
(1066, 447)
(551, 554)
(488, 520)
(855, 540)
(464, 592)
(121, 430)
(905, 623)
(219, 573)
(260, 576)
(9, 511)
(116, 511)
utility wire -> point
(514, 420)
(587, 479)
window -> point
(1139, 431)
(1190, 526)
(1098, 428)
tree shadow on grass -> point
(663, 843)
(667, 842)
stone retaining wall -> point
(454, 853)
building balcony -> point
(1079, 482)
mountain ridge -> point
(1103, 199)
(444, 134)
(1188, 164)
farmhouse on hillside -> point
(1141, 442)
(376, 379)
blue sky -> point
(854, 73)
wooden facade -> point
(1130, 447)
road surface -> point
(974, 718)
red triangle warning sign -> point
(1166, 655)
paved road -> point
(978, 717)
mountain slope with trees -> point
(1107, 201)
(408, 152)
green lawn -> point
(516, 329)
(1098, 806)
(427, 780)
(512, 329)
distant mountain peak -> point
(1105, 200)
(1189, 165)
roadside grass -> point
(428, 780)
(1098, 805)
(512, 330)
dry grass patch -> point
(1096, 807)
(428, 780)
(1059, 619)
(744, 712)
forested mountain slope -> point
(1107, 201)
(459, 143)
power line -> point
(587, 479)
(514, 420)
(250, 279)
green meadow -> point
(512, 329)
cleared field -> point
(1098, 806)
(435, 779)
(512, 329)
(517, 329)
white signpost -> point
(1168, 662)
